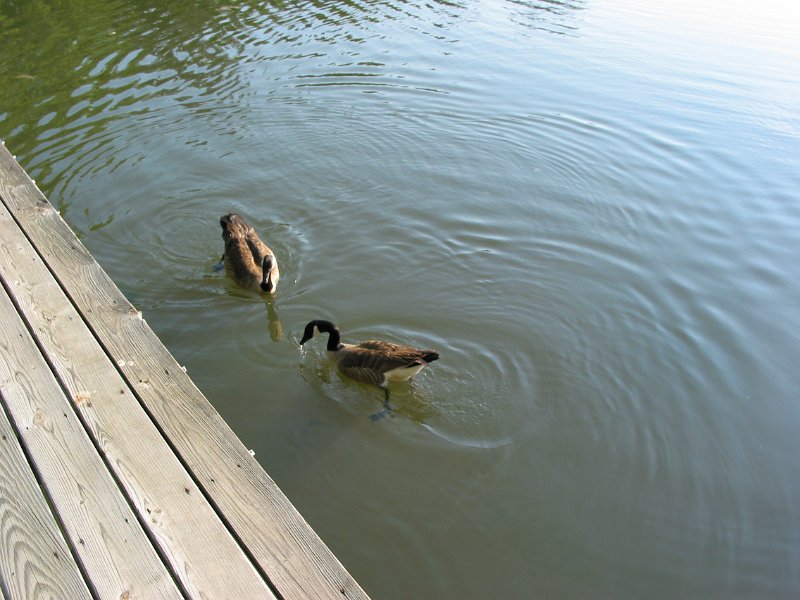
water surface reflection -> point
(589, 208)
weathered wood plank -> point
(199, 548)
(35, 561)
(117, 556)
(291, 554)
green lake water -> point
(591, 208)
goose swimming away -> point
(249, 260)
(373, 361)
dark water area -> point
(591, 208)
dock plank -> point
(103, 531)
(282, 544)
(35, 561)
(197, 544)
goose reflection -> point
(273, 322)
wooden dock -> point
(118, 479)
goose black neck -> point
(325, 327)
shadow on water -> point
(248, 298)
(273, 321)
(409, 400)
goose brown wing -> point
(258, 248)
(405, 355)
(240, 261)
(363, 374)
(380, 356)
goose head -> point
(323, 327)
(229, 221)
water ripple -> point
(610, 277)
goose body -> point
(250, 261)
(373, 361)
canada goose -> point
(247, 258)
(373, 361)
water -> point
(590, 208)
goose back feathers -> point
(250, 261)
